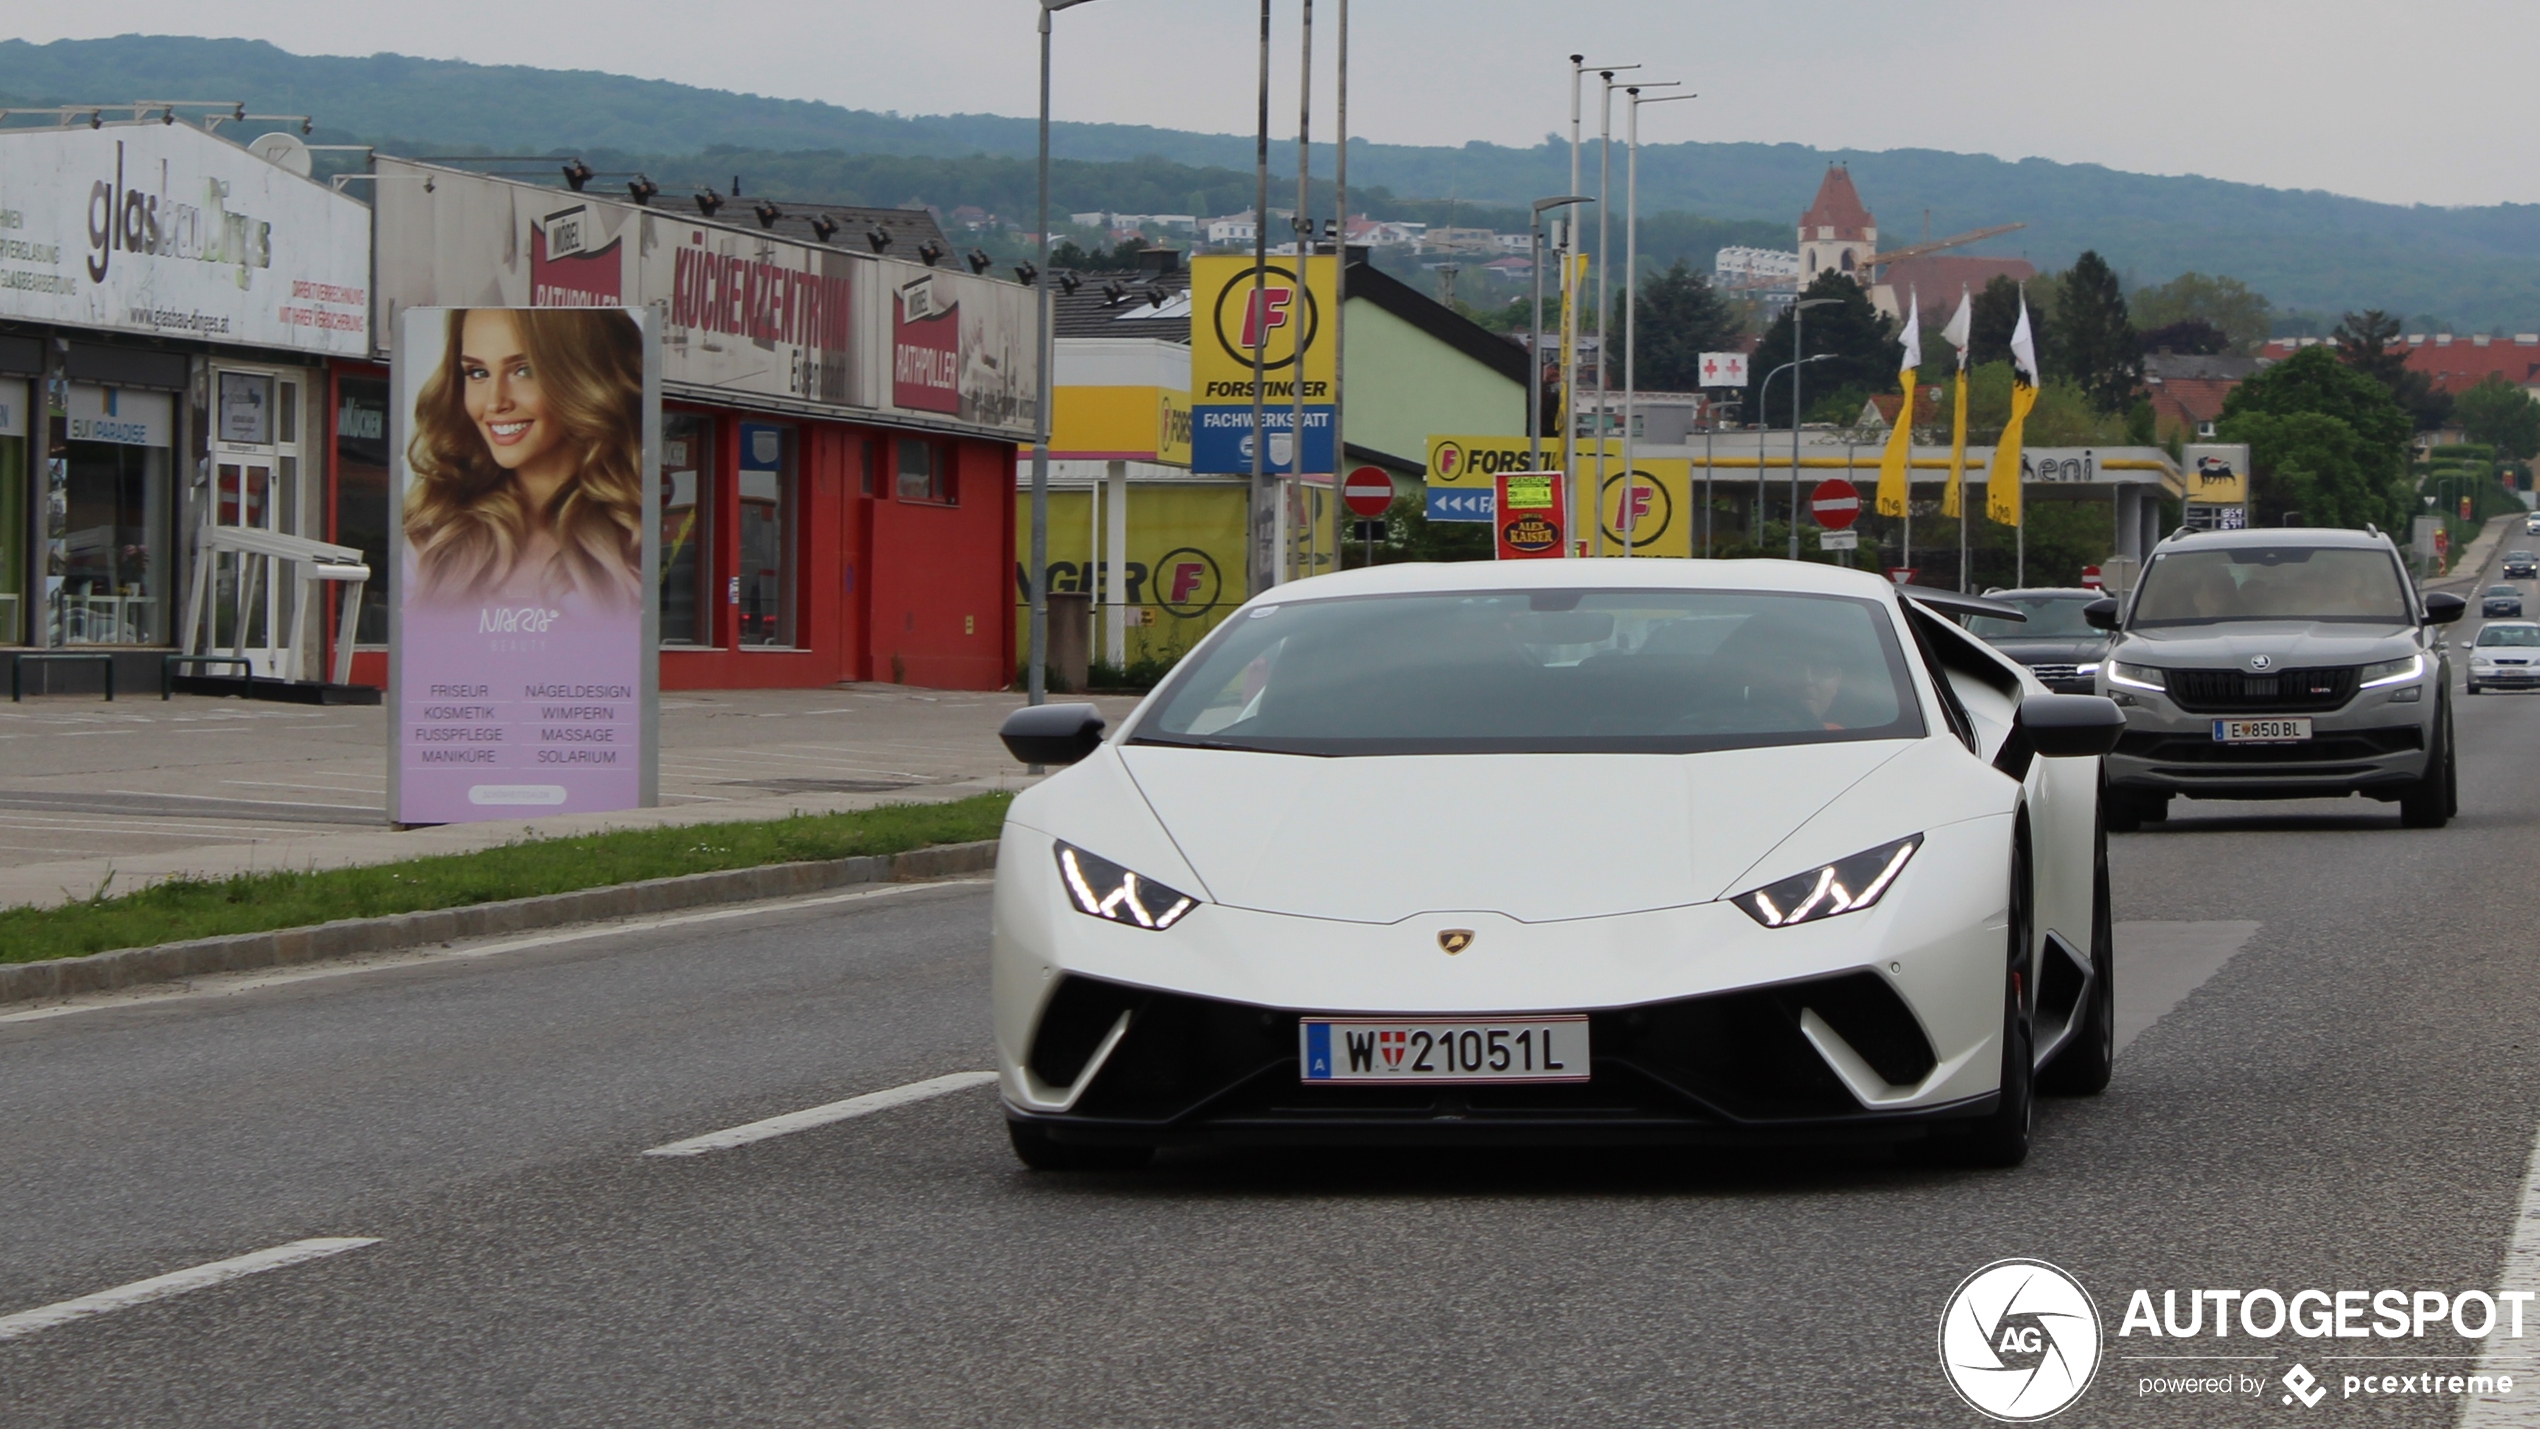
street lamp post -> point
(1798, 314)
(1036, 674)
(1631, 302)
(1534, 343)
(1761, 393)
(1570, 307)
(1604, 185)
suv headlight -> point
(1104, 889)
(2392, 672)
(1846, 885)
(2139, 677)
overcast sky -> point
(2416, 102)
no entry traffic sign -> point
(1368, 491)
(1837, 503)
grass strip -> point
(185, 908)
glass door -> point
(256, 486)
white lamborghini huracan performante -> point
(1558, 852)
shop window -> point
(926, 472)
(361, 493)
(767, 577)
(687, 529)
(107, 523)
(13, 438)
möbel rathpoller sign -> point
(522, 677)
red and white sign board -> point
(1723, 369)
(1836, 502)
(1368, 491)
(2090, 578)
(1530, 515)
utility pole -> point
(1798, 360)
(1631, 309)
(1604, 187)
(1302, 494)
(1340, 283)
(1264, 510)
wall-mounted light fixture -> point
(576, 174)
(879, 237)
(1026, 274)
(930, 252)
(708, 201)
(767, 213)
(823, 227)
(1069, 282)
(641, 190)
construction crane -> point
(1917, 250)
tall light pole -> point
(1631, 303)
(1570, 307)
(1036, 674)
(1262, 512)
(1304, 226)
(1604, 186)
(1340, 277)
(1534, 343)
(1761, 406)
(1798, 312)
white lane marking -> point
(231, 984)
(2521, 1272)
(176, 1282)
(805, 1120)
(2160, 963)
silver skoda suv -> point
(2289, 664)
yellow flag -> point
(2002, 483)
(1893, 465)
(1949, 502)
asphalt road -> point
(2329, 1082)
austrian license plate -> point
(1498, 1049)
(2262, 731)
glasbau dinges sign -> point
(165, 230)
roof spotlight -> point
(1068, 283)
(823, 227)
(641, 190)
(879, 237)
(767, 213)
(1026, 274)
(708, 201)
(979, 260)
(1114, 293)
(930, 252)
(576, 174)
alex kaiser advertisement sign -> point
(744, 314)
(172, 232)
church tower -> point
(1837, 232)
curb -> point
(347, 937)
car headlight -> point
(2141, 677)
(1846, 885)
(2393, 672)
(1114, 894)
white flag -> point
(1961, 325)
(1913, 334)
(2023, 347)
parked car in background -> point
(2057, 644)
(2501, 600)
(2506, 657)
(2521, 565)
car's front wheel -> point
(2089, 1056)
(1038, 1150)
(2435, 797)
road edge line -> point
(353, 937)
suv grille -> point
(2227, 690)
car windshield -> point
(2503, 590)
(2049, 618)
(1552, 672)
(2510, 635)
(2272, 583)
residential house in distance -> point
(1233, 230)
(2454, 363)
(2186, 390)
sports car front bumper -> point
(1705, 1026)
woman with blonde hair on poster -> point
(527, 461)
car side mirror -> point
(2101, 613)
(2070, 726)
(1052, 734)
(2442, 608)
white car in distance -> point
(1560, 852)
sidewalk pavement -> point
(2472, 565)
(118, 796)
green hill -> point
(2476, 267)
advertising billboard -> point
(748, 315)
(165, 230)
(523, 554)
(2216, 474)
(1655, 509)
(1291, 322)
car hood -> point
(2059, 650)
(1538, 837)
(2289, 644)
